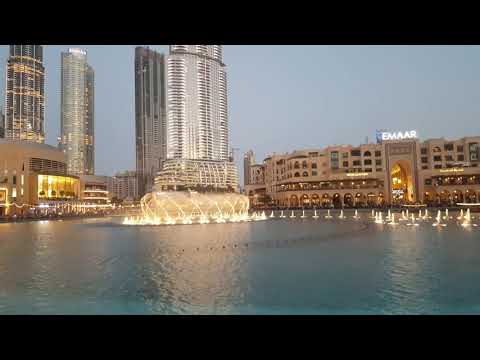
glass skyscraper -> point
(77, 113)
(150, 116)
(25, 94)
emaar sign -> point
(400, 135)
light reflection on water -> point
(278, 266)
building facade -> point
(248, 161)
(123, 186)
(391, 172)
(94, 191)
(197, 121)
(2, 124)
(33, 174)
(77, 139)
(150, 116)
(25, 94)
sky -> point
(285, 98)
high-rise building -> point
(123, 186)
(2, 124)
(150, 116)
(197, 121)
(77, 113)
(197, 103)
(248, 161)
(25, 94)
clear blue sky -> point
(283, 98)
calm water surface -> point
(279, 266)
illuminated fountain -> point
(272, 215)
(404, 217)
(341, 216)
(170, 208)
(303, 214)
(446, 217)
(282, 216)
(413, 223)
(438, 220)
(373, 214)
(292, 216)
(461, 215)
(328, 216)
(389, 215)
(379, 218)
(356, 215)
(315, 216)
(392, 222)
(468, 219)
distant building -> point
(397, 170)
(197, 121)
(248, 161)
(123, 186)
(33, 174)
(25, 94)
(2, 124)
(77, 113)
(94, 191)
(150, 116)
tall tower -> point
(25, 94)
(150, 116)
(197, 103)
(77, 112)
(248, 161)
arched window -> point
(304, 164)
(367, 153)
(305, 174)
(437, 149)
(297, 165)
(297, 174)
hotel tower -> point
(150, 116)
(77, 113)
(197, 121)
(25, 94)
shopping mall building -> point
(397, 169)
(33, 178)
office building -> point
(77, 137)
(123, 186)
(25, 94)
(150, 116)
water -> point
(278, 266)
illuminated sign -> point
(357, 174)
(400, 135)
(452, 170)
(77, 51)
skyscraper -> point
(197, 103)
(25, 94)
(197, 121)
(150, 116)
(2, 124)
(77, 112)
(248, 161)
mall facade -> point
(34, 179)
(399, 169)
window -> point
(461, 157)
(424, 160)
(314, 173)
(368, 170)
(448, 158)
(378, 162)
(437, 158)
(460, 148)
(14, 180)
(428, 181)
(355, 153)
(345, 164)
(448, 147)
(378, 153)
(438, 166)
(314, 165)
(436, 149)
(305, 174)
(356, 163)
(424, 167)
(367, 153)
(378, 169)
(345, 155)
(297, 174)
(297, 165)
(367, 162)
(334, 159)
(423, 151)
(304, 164)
